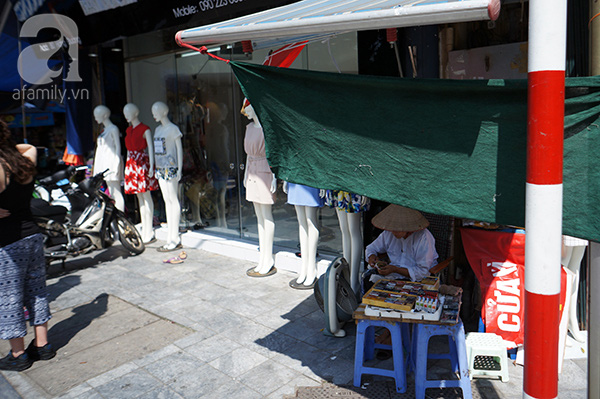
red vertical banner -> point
(498, 261)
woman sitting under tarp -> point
(404, 250)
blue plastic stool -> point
(457, 356)
(365, 350)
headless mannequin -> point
(168, 177)
(352, 240)
(108, 155)
(131, 113)
(264, 215)
(308, 234)
(571, 259)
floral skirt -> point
(347, 202)
(136, 173)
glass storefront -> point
(204, 100)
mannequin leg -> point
(354, 223)
(196, 216)
(312, 243)
(572, 260)
(221, 207)
(146, 214)
(173, 210)
(303, 238)
(266, 232)
(114, 187)
(351, 244)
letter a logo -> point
(33, 65)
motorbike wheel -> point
(129, 236)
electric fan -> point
(335, 297)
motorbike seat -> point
(42, 208)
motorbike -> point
(93, 222)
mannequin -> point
(572, 254)
(108, 155)
(306, 200)
(139, 168)
(168, 158)
(217, 154)
(260, 186)
(348, 207)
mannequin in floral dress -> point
(139, 168)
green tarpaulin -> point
(447, 147)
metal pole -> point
(543, 195)
(594, 37)
(593, 276)
(593, 280)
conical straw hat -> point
(399, 218)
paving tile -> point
(302, 358)
(8, 392)
(267, 377)
(66, 371)
(330, 344)
(194, 338)
(270, 344)
(77, 391)
(90, 394)
(26, 387)
(161, 392)
(129, 385)
(237, 361)
(93, 323)
(169, 368)
(156, 355)
(291, 387)
(302, 328)
(204, 382)
(112, 374)
(212, 348)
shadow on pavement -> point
(92, 259)
(62, 332)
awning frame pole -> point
(543, 202)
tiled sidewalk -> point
(135, 327)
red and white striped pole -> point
(543, 209)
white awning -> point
(318, 17)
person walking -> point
(22, 264)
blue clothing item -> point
(347, 202)
(299, 194)
(22, 283)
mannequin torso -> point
(108, 155)
(168, 163)
(260, 186)
(139, 168)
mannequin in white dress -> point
(142, 187)
(260, 185)
(168, 161)
(108, 155)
